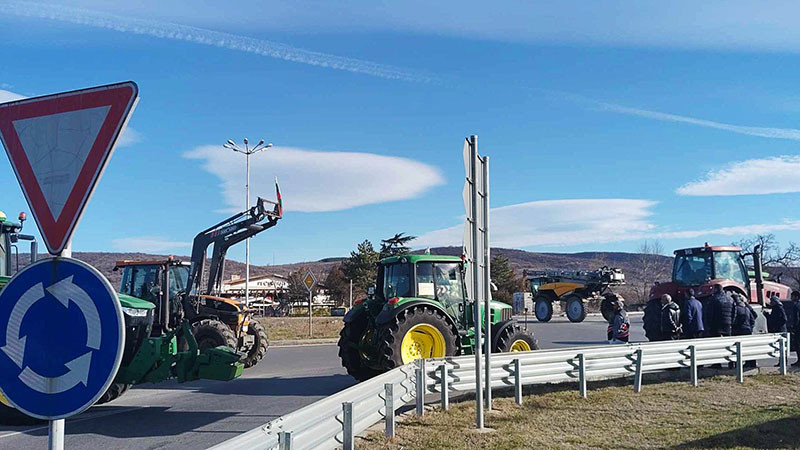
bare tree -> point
(651, 266)
(773, 256)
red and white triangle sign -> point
(59, 145)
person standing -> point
(670, 318)
(692, 317)
(719, 313)
(776, 316)
(744, 319)
(620, 326)
(652, 320)
(793, 316)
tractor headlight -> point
(135, 312)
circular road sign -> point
(61, 338)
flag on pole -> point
(280, 200)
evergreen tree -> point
(361, 267)
(395, 245)
(506, 280)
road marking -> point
(80, 419)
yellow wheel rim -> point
(422, 341)
(520, 346)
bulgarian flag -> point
(280, 200)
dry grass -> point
(292, 328)
(763, 413)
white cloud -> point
(148, 244)
(212, 38)
(777, 175)
(767, 132)
(313, 181)
(556, 223)
(8, 96)
(129, 137)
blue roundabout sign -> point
(61, 338)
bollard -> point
(517, 381)
(420, 400)
(388, 402)
(445, 387)
(739, 363)
(693, 369)
(637, 381)
(783, 359)
(582, 375)
(285, 440)
(347, 426)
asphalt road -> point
(200, 414)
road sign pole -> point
(55, 440)
(476, 282)
(310, 323)
(487, 285)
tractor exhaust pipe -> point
(759, 274)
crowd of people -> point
(724, 314)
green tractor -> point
(419, 309)
(152, 352)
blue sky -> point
(607, 123)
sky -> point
(608, 123)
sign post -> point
(310, 281)
(59, 146)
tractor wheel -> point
(260, 345)
(350, 350)
(515, 339)
(576, 308)
(543, 307)
(113, 392)
(416, 333)
(211, 333)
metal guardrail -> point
(335, 420)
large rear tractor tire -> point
(260, 344)
(576, 308)
(515, 339)
(543, 308)
(113, 392)
(416, 333)
(211, 333)
(350, 350)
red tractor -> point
(701, 268)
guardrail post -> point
(445, 387)
(784, 356)
(420, 400)
(637, 381)
(582, 375)
(518, 381)
(347, 426)
(693, 356)
(388, 402)
(285, 440)
(739, 363)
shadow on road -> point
(322, 385)
(779, 433)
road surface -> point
(200, 414)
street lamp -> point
(247, 151)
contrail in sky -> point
(166, 30)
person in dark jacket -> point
(793, 316)
(692, 317)
(670, 318)
(652, 320)
(744, 320)
(620, 327)
(719, 313)
(776, 316)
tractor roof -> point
(417, 258)
(709, 248)
(150, 262)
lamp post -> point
(247, 151)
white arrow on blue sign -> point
(63, 337)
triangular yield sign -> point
(59, 145)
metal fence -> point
(334, 421)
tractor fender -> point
(196, 319)
(354, 313)
(498, 328)
(388, 314)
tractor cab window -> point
(396, 280)
(729, 265)
(440, 281)
(178, 277)
(692, 270)
(140, 282)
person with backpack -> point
(652, 320)
(692, 317)
(620, 326)
(719, 313)
(670, 318)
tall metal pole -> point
(310, 326)
(351, 294)
(247, 241)
(55, 434)
(476, 284)
(487, 285)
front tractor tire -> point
(576, 308)
(211, 333)
(514, 338)
(113, 392)
(351, 339)
(260, 344)
(543, 308)
(416, 333)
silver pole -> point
(247, 241)
(488, 285)
(476, 284)
(55, 434)
(310, 326)
(351, 294)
